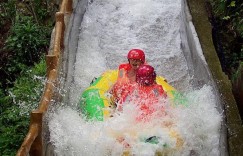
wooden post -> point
(49, 87)
(33, 143)
(60, 28)
(51, 63)
(36, 119)
(69, 7)
(58, 36)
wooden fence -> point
(33, 144)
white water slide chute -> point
(97, 38)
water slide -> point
(98, 35)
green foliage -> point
(230, 11)
(15, 108)
(12, 131)
(21, 84)
(44, 11)
(238, 73)
(4, 101)
(28, 40)
(7, 11)
(27, 43)
(229, 22)
(27, 89)
(41, 10)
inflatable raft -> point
(95, 101)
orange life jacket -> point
(123, 87)
(146, 98)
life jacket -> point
(122, 74)
(123, 87)
(146, 98)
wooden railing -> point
(33, 144)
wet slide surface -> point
(108, 30)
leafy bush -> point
(12, 131)
(28, 40)
(41, 11)
(16, 107)
(228, 16)
(28, 88)
(27, 26)
(25, 45)
(7, 11)
(230, 11)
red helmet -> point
(145, 75)
(136, 54)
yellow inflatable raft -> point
(95, 101)
(96, 104)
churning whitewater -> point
(110, 28)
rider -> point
(135, 57)
(147, 93)
(127, 75)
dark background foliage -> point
(24, 40)
(226, 17)
(227, 21)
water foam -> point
(196, 125)
(108, 31)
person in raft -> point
(147, 93)
(127, 75)
(144, 92)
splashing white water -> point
(111, 28)
(195, 128)
(108, 31)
